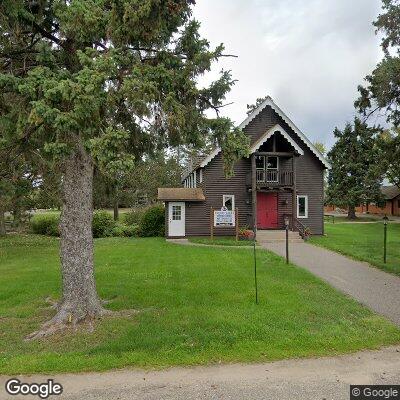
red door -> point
(267, 210)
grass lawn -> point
(221, 241)
(197, 307)
(364, 242)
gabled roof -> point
(390, 192)
(180, 194)
(269, 102)
(269, 133)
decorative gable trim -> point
(269, 133)
(210, 157)
(269, 102)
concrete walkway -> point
(376, 289)
(321, 378)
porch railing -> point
(274, 177)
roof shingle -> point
(180, 194)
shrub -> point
(45, 224)
(103, 224)
(153, 222)
(133, 217)
(123, 230)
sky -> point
(309, 56)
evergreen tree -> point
(105, 82)
(381, 92)
(389, 145)
(356, 176)
(252, 107)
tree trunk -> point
(79, 301)
(2, 221)
(16, 216)
(116, 209)
(351, 213)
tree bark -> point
(351, 213)
(116, 209)
(79, 301)
(16, 216)
(2, 221)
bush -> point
(123, 230)
(133, 217)
(103, 224)
(45, 224)
(153, 222)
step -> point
(278, 236)
(298, 240)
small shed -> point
(175, 205)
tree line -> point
(363, 156)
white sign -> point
(224, 218)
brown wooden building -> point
(283, 177)
(391, 195)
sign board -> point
(224, 217)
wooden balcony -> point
(274, 178)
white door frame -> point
(176, 227)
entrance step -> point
(272, 236)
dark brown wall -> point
(309, 177)
(309, 170)
(215, 185)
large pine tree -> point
(105, 82)
(356, 176)
(382, 89)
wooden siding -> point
(309, 170)
(215, 185)
(309, 181)
(285, 207)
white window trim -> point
(195, 179)
(224, 196)
(201, 175)
(306, 206)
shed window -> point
(201, 175)
(302, 206)
(228, 201)
(176, 213)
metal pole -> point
(384, 241)
(287, 244)
(255, 266)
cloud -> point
(309, 56)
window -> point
(176, 213)
(228, 201)
(260, 162)
(272, 163)
(201, 175)
(302, 206)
